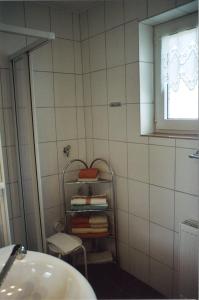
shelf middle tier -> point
(88, 182)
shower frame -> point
(42, 38)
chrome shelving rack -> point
(108, 178)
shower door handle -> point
(195, 155)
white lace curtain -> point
(179, 56)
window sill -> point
(173, 136)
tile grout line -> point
(90, 71)
(75, 68)
(174, 220)
(126, 139)
(90, 86)
(82, 90)
(107, 93)
(149, 198)
(54, 108)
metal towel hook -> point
(67, 150)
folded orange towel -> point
(89, 230)
(94, 219)
(88, 173)
(80, 220)
(80, 225)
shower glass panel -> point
(26, 154)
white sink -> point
(40, 277)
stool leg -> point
(85, 261)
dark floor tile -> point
(110, 282)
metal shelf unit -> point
(108, 178)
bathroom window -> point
(176, 75)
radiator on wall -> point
(188, 259)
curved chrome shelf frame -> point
(65, 170)
(112, 181)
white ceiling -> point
(74, 5)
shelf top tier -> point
(100, 180)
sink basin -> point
(41, 276)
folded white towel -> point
(64, 243)
(88, 179)
(82, 201)
(98, 219)
(92, 196)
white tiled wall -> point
(60, 113)
(157, 185)
(156, 182)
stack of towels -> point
(90, 226)
(97, 202)
(88, 174)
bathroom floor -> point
(110, 282)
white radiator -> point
(188, 260)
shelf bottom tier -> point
(99, 257)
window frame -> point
(167, 125)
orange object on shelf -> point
(88, 173)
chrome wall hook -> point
(67, 150)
